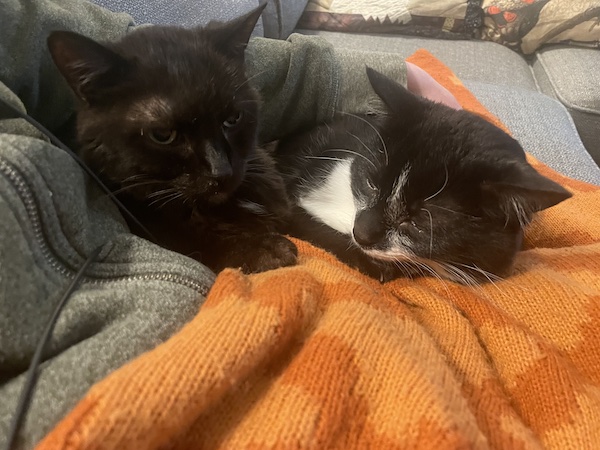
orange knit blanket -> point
(319, 356)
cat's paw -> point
(269, 251)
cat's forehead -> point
(152, 108)
(172, 98)
(192, 109)
(175, 57)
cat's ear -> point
(423, 84)
(525, 191)
(396, 97)
(88, 66)
(232, 37)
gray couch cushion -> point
(470, 60)
(187, 13)
(572, 75)
(278, 20)
(542, 125)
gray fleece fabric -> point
(304, 80)
(52, 217)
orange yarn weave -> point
(319, 356)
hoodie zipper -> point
(25, 193)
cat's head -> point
(166, 112)
(449, 189)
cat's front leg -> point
(252, 253)
(269, 251)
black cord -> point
(32, 373)
(28, 387)
(58, 143)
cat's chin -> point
(410, 264)
(217, 198)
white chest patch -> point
(332, 202)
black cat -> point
(168, 120)
(425, 189)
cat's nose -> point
(369, 229)
(212, 185)
(218, 163)
(365, 238)
(217, 184)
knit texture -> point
(319, 356)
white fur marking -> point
(332, 201)
(396, 198)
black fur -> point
(468, 193)
(168, 119)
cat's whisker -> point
(430, 231)
(442, 188)
(403, 268)
(435, 274)
(344, 150)
(364, 145)
(352, 245)
(457, 274)
(250, 100)
(257, 168)
(162, 192)
(467, 280)
(325, 158)
(254, 166)
(423, 267)
(135, 177)
(248, 80)
(165, 196)
(489, 276)
(385, 151)
(522, 215)
(254, 158)
(135, 185)
(450, 210)
(173, 197)
(415, 265)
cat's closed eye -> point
(160, 136)
(371, 185)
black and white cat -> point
(423, 189)
(168, 120)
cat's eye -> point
(371, 185)
(161, 136)
(233, 120)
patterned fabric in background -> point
(450, 19)
(525, 25)
(522, 25)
